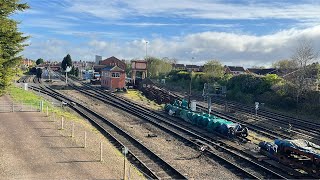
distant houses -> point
(188, 67)
(263, 71)
(234, 70)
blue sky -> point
(236, 32)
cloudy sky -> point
(236, 32)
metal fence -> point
(19, 107)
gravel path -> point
(32, 147)
(173, 151)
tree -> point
(158, 67)
(304, 55)
(76, 72)
(128, 68)
(285, 66)
(11, 41)
(67, 61)
(39, 73)
(39, 61)
(72, 70)
(214, 67)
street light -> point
(146, 49)
(190, 85)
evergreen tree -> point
(39, 73)
(39, 61)
(72, 71)
(11, 41)
(76, 73)
(67, 61)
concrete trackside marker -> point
(47, 111)
(101, 152)
(72, 130)
(61, 123)
(85, 140)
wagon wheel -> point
(245, 132)
(232, 133)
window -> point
(116, 74)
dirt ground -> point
(33, 146)
(171, 150)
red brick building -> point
(113, 77)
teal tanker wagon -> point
(205, 121)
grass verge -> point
(31, 98)
(137, 96)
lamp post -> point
(190, 85)
(146, 49)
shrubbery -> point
(270, 89)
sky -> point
(235, 32)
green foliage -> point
(273, 79)
(285, 64)
(128, 68)
(39, 73)
(11, 41)
(72, 71)
(67, 61)
(76, 72)
(158, 67)
(39, 61)
(248, 84)
(213, 69)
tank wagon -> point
(298, 153)
(205, 121)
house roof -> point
(192, 66)
(112, 58)
(263, 71)
(236, 68)
(254, 70)
(178, 65)
(112, 68)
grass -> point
(31, 98)
(136, 95)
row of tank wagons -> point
(156, 94)
(205, 121)
(298, 153)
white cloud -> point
(208, 9)
(46, 23)
(229, 48)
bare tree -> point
(303, 57)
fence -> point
(20, 107)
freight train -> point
(298, 154)
(206, 121)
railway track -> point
(306, 130)
(302, 128)
(36, 80)
(149, 162)
(22, 79)
(231, 156)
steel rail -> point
(152, 164)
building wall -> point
(109, 82)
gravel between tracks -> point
(173, 151)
